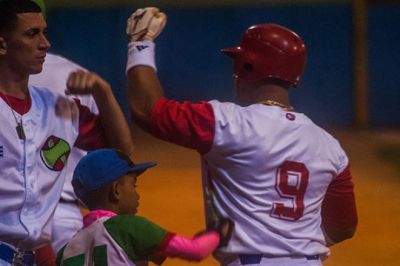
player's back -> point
(93, 245)
(110, 239)
(272, 168)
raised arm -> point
(114, 125)
(144, 88)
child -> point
(105, 180)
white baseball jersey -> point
(32, 169)
(115, 240)
(266, 168)
(67, 218)
(54, 76)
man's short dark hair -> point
(9, 10)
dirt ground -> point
(171, 195)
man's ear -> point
(3, 46)
(114, 191)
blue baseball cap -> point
(101, 167)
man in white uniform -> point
(39, 128)
(67, 219)
(284, 181)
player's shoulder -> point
(41, 91)
(56, 60)
(232, 112)
(324, 133)
(223, 108)
(223, 104)
(127, 220)
(44, 96)
(332, 147)
(316, 131)
(132, 224)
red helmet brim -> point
(231, 52)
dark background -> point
(191, 66)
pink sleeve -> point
(192, 249)
(191, 125)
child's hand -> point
(224, 227)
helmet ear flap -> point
(248, 67)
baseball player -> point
(67, 219)
(284, 181)
(39, 127)
(105, 180)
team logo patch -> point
(55, 152)
(290, 116)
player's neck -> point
(109, 206)
(272, 93)
(13, 84)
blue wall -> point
(191, 66)
(384, 65)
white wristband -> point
(141, 53)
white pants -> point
(67, 221)
(278, 261)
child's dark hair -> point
(95, 198)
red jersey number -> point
(291, 185)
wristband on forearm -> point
(141, 53)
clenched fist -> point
(145, 24)
(83, 82)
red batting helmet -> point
(269, 51)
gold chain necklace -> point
(19, 128)
(281, 105)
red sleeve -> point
(191, 125)
(91, 133)
(339, 208)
